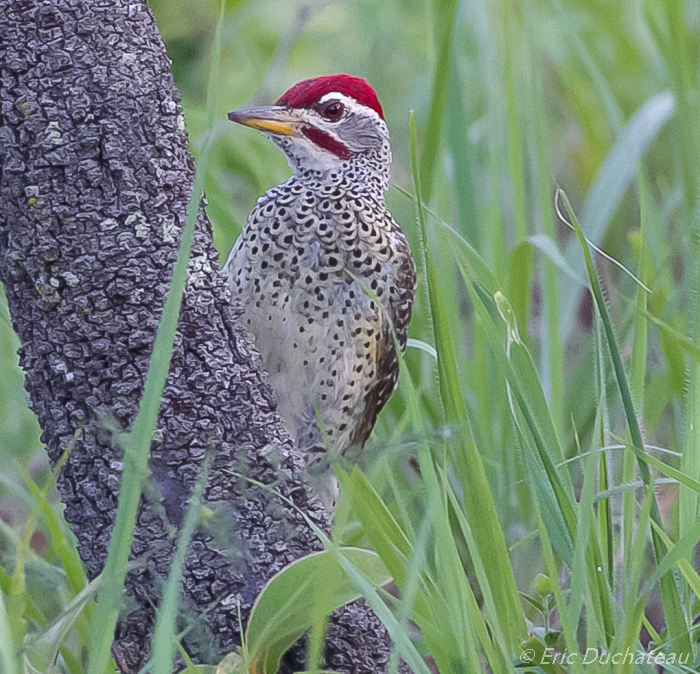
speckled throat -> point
(322, 270)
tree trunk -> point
(95, 177)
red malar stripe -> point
(327, 142)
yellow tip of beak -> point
(270, 119)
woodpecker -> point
(322, 269)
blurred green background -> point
(512, 98)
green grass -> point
(554, 405)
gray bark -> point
(95, 176)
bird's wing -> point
(396, 314)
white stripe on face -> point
(350, 103)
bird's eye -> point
(332, 111)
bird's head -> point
(326, 124)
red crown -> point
(306, 93)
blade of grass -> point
(42, 649)
(8, 656)
(635, 561)
(397, 553)
(552, 571)
(450, 572)
(479, 504)
(513, 44)
(681, 58)
(444, 22)
(164, 641)
(638, 369)
(495, 657)
(669, 592)
(433, 607)
(476, 261)
(634, 429)
(450, 389)
(519, 370)
(667, 470)
(399, 636)
(65, 550)
(585, 528)
(552, 345)
(456, 144)
(530, 412)
(677, 554)
(605, 522)
(414, 572)
(610, 184)
(686, 345)
(379, 525)
(19, 601)
(521, 263)
(70, 560)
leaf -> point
(285, 608)
(620, 166)
(42, 649)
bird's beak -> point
(270, 119)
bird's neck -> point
(368, 172)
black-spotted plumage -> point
(323, 272)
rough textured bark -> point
(95, 176)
